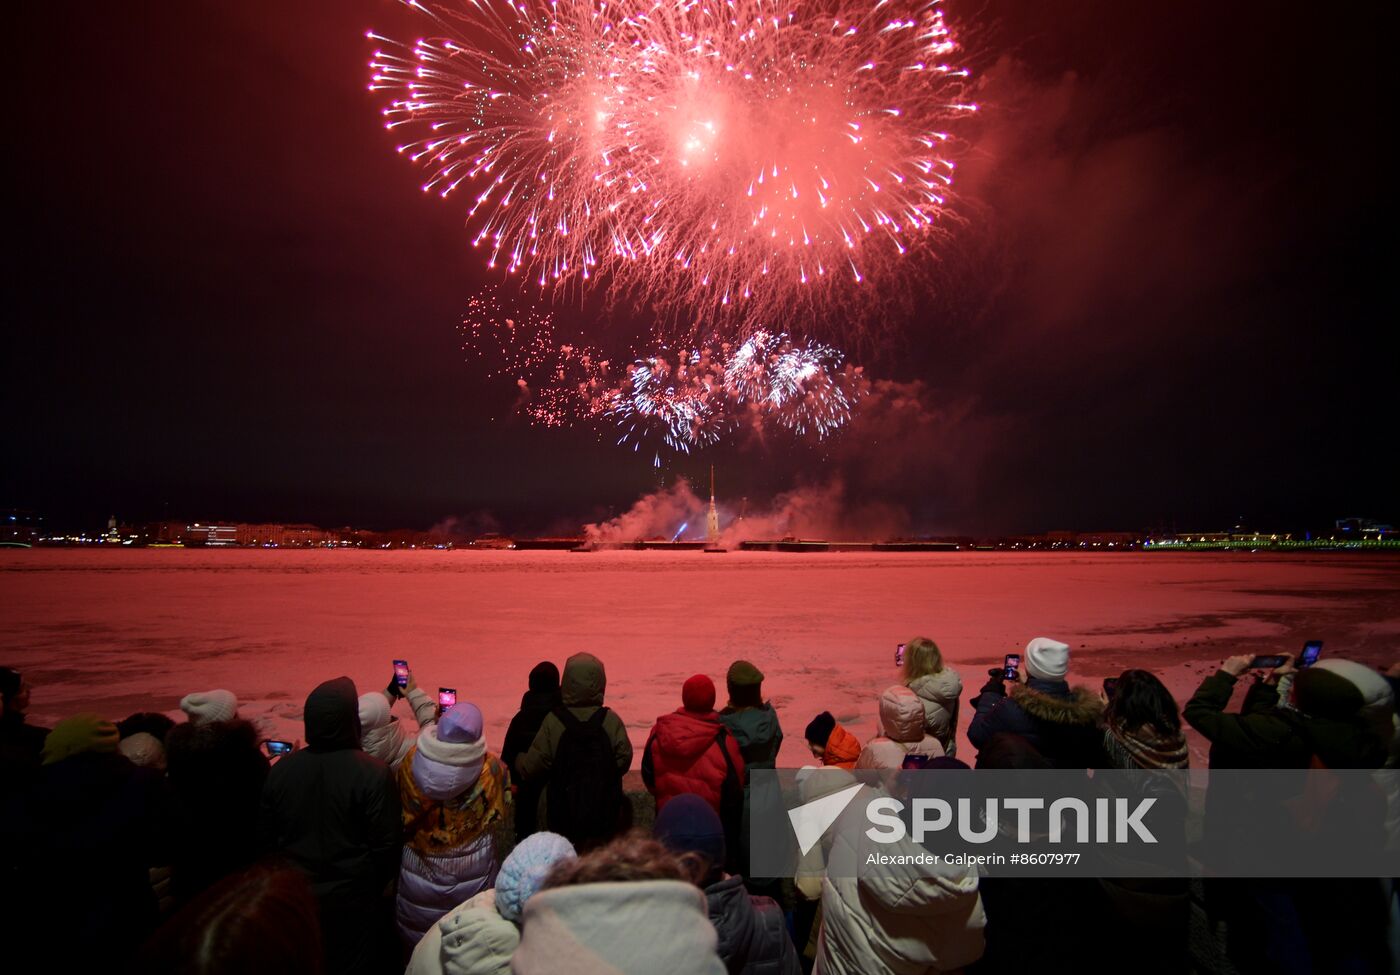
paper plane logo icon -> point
(811, 819)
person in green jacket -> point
(754, 724)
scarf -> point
(1145, 748)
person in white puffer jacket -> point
(382, 734)
(938, 686)
(890, 919)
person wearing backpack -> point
(689, 750)
(580, 755)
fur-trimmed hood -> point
(1058, 703)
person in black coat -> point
(535, 705)
(217, 769)
(334, 811)
(93, 824)
(20, 741)
(1061, 722)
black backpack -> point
(731, 805)
(585, 788)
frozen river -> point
(126, 630)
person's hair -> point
(1141, 700)
(633, 856)
(263, 920)
(152, 723)
(921, 657)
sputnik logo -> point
(811, 819)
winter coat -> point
(20, 745)
(902, 732)
(753, 935)
(382, 734)
(535, 705)
(471, 939)
(894, 919)
(758, 733)
(1060, 722)
(453, 804)
(333, 811)
(939, 693)
(217, 769)
(581, 690)
(1263, 735)
(842, 749)
(643, 927)
(91, 823)
(683, 754)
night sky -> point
(1170, 302)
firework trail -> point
(731, 162)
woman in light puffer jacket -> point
(901, 732)
(382, 734)
(455, 797)
(938, 686)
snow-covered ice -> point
(117, 631)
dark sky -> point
(1171, 300)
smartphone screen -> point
(899, 655)
(278, 747)
(447, 697)
(1110, 686)
(1010, 664)
(1267, 662)
(1311, 651)
(401, 673)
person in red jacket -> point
(689, 750)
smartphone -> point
(1010, 664)
(275, 747)
(1110, 687)
(1267, 661)
(401, 673)
(1311, 651)
(899, 655)
(447, 697)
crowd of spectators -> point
(384, 841)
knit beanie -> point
(745, 682)
(820, 728)
(1374, 688)
(78, 734)
(219, 705)
(689, 824)
(374, 711)
(698, 694)
(523, 872)
(1321, 693)
(1047, 659)
(143, 749)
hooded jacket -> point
(1060, 722)
(644, 927)
(331, 809)
(752, 932)
(455, 797)
(471, 939)
(382, 734)
(902, 732)
(581, 691)
(535, 705)
(894, 919)
(683, 755)
(939, 694)
(218, 771)
(842, 749)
